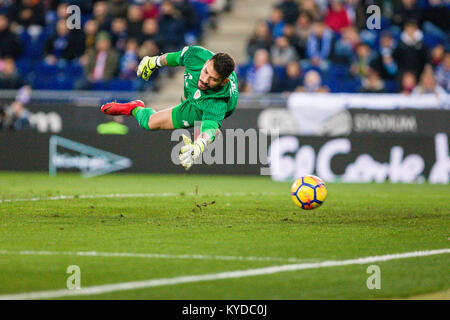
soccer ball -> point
(309, 192)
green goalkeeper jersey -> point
(215, 104)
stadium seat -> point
(24, 66)
(118, 84)
(203, 14)
(100, 86)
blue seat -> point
(203, 14)
(100, 86)
(24, 66)
(63, 82)
(33, 47)
(75, 69)
(118, 84)
(279, 71)
(45, 69)
(391, 86)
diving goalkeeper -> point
(210, 95)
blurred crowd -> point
(39, 48)
(15, 116)
(326, 46)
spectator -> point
(9, 44)
(61, 45)
(337, 17)
(443, 72)
(101, 62)
(405, 11)
(411, 53)
(407, 83)
(16, 117)
(372, 83)
(148, 48)
(119, 33)
(135, 20)
(129, 60)
(118, 8)
(9, 77)
(90, 33)
(292, 81)
(290, 34)
(150, 10)
(303, 29)
(290, 10)
(186, 10)
(384, 63)
(436, 19)
(150, 31)
(100, 14)
(319, 45)
(428, 84)
(311, 8)
(345, 47)
(313, 83)
(260, 39)
(27, 13)
(276, 23)
(282, 52)
(259, 77)
(361, 65)
(437, 54)
(215, 7)
(52, 17)
(172, 26)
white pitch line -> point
(130, 195)
(101, 289)
(151, 256)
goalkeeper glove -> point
(191, 151)
(147, 66)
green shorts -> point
(185, 115)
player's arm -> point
(213, 114)
(192, 150)
(149, 64)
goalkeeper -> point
(210, 95)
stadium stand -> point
(331, 37)
(36, 43)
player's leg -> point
(116, 109)
(183, 115)
(151, 120)
(146, 117)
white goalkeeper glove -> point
(147, 66)
(191, 151)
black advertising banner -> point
(61, 118)
(349, 159)
(354, 122)
(55, 118)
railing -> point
(246, 100)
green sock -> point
(142, 115)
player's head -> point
(215, 71)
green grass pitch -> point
(227, 220)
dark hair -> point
(223, 64)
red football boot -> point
(115, 109)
